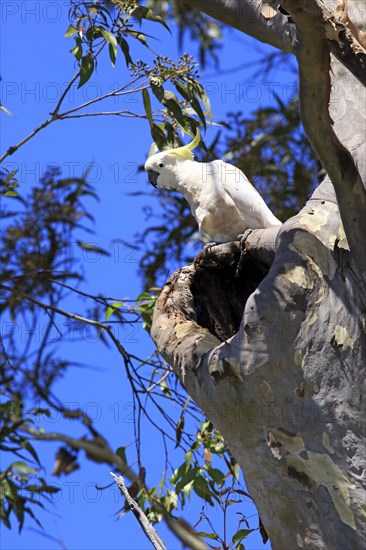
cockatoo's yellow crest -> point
(185, 152)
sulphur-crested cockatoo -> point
(223, 201)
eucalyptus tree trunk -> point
(268, 335)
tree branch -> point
(64, 94)
(14, 148)
(56, 115)
(126, 114)
(313, 56)
(249, 16)
(105, 454)
(246, 16)
(146, 526)
(124, 90)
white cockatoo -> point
(222, 199)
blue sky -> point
(35, 66)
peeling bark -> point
(269, 335)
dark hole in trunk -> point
(221, 288)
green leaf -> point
(170, 101)
(191, 98)
(187, 478)
(158, 136)
(9, 489)
(77, 50)
(236, 471)
(213, 536)
(142, 12)
(179, 431)
(112, 309)
(18, 507)
(10, 194)
(9, 177)
(125, 49)
(22, 467)
(198, 109)
(206, 426)
(158, 91)
(147, 105)
(188, 458)
(108, 312)
(216, 475)
(206, 101)
(183, 90)
(86, 69)
(143, 296)
(31, 450)
(140, 36)
(71, 30)
(111, 39)
(121, 453)
(151, 16)
(112, 54)
(201, 488)
(241, 534)
(179, 473)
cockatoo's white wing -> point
(245, 197)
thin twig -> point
(56, 115)
(64, 94)
(105, 454)
(126, 114)
(14, 148)
(160, 381)
(147, 527)
(115, 93)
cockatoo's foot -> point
(208, 246)
(206, 251)
(243, 236)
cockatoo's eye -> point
(161, 165)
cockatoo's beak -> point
(153, 177)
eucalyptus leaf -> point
(86, 69)
(147, 105)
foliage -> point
(38, 263)
(94, 27)
(206, 32)
(21, 487)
